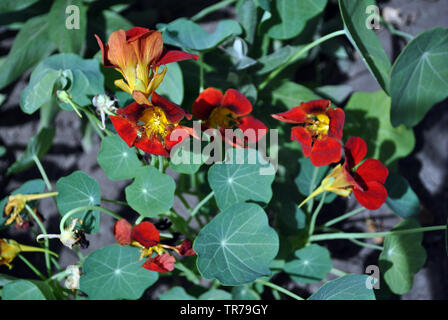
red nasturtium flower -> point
(228, 111)
(366, 181)
(138, 54)
(146, 236)
(153, 126)
(321, 133)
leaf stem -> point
(338, 272)
(95, 208)
(344, 216)
(206, 11)
(201, 72)
(122, 203)
(279, 289)
(315, 213)
(296, 56)
(361, 235)
(42, 172)
(394, 31)
(202, 203)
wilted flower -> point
(74, 274)
(69, 237)
(104, 105)
(9, 249)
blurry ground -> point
(426, 168)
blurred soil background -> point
(426, 168)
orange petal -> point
(122, 232)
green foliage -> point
(237, 246)
(115, 272)
(215, 294)
(401, 198)
(402, 257)
(172, 85)
(419, 77)
(349, 287)
(79, 190)
(244, 293)
(176, 293)
(22, 290)
(151, 193)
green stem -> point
(73, 211)
(139, 220)
(338, 272)
(204, 12)
(394, 31)
(312, 186)
(160, 158)
(42, 172)
(46, 243)
(365, 244)
(280, 289)
(122, 203)
(315, 213)
(296, 56)
(202, 203)
(201, 72)
(343, 235)
(30, 265)
(344, 216)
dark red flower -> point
(321, 133)
(160, 263)
(228, 111)
(151, 126)
(186, 248)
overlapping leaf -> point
(349, 287)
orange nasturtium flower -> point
(320, 132)
(138, 54)
(366, 181)
(146, 236)
(9, 249)
(152, 126)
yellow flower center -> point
(319, 124)
(222, 118)
(155, 123)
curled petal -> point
(294, 115)
(135, 33)
(186, 248)
(236, 102)
(140, 98)
(173, 112)
(373, 196)
(146, 234)
(325, 152)
(337, 119)
(304, 137)
(259, 128)
(373, 170)
(207, 100)
(125, 129)
(355, 151)
(161, 263)
(120, 53)
(152, 146)
(169, 56)
(122, 232)
(104, 52)
(148, 47)
(315, 106)
(132, 112)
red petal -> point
(125, 129)
(373, 196)
(186, 248)
(315, 106)
(104, 50)
(355, 150)
(204, 104)
(373, 170)
(122, 232)
(337, 119)
(179, 134)
(173, 112)
(236, 102)
(152, 146)
(259, 127)
(294, 115)
(173, 56)
(135, 33)
(146, 234)
(304, 137)
(132, 112)
(161, 263)
(325, 151)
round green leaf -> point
(419, 77)
(245, 175)
(365, 40)
(402, 257)
(172, 85)
(151, 193)
(79, 190)
(115, 272)
(215, 294)
(368, 116)
(244, 293)
(117, 159)
(189, 35)
(37, 147)
(176, 293)
(184, 157)
(291, 16)
(22, 290)
(237, 246)
(401, 198)
(310, 264)
(291, 94)
(349, 287)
